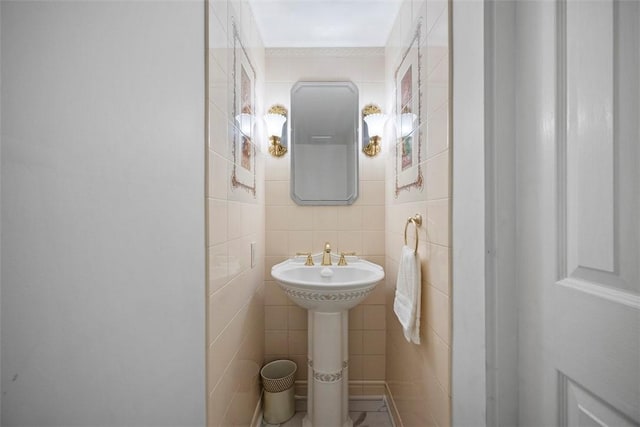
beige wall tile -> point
(371, 193)
(356, 317)
(269, 262)
(372, 169)
(217, 176)
(219, 129)
(277, 243)
(349, 241)
(297, 342)
(217, 222)
(374, 317)
(308, 228)
(373, 367)
(438, 132)
(223, 349)
(374, 342)
(356, 342)
(438, 97)
(437, 176)
(300, 241)
(273, 295)
(438, 271)
(325, 217)
(373, 242)
(277, 168)
(349, 218)
(415, 371)
(277, 218)
(239, 256)
(218, 259)
(438, 222)
(301, 362)
(439, 404)
(377, 297)
(301, 218)
(356, 370)
(297, 318)
(373, 218)
(438, 312)
(276, 342)
(223, 305)
(320, 237)
(438, 355)
(219, 400)
(276, 317)
(235, 219)
(277, 193)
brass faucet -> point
(309, 261)
(326, 255)
(343, 260)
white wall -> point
(103, 213)
(0, 213)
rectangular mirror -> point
(324, 143)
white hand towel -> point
(407, 300)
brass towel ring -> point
(417, 222)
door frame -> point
(484, 304)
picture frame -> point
(243, 117)
(408, 109)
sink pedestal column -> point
(328, 370)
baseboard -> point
(377, 386)
(391, 406)
(256, 421)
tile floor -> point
(364, 413)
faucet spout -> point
(326, 255)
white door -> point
(578, 203)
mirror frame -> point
(355, 144)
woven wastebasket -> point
(279, 394)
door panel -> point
(580, 301)
(595, 334)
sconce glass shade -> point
(406, 123)
(245, 121)
(274, 124)
(375, 124)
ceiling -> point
(325, 23)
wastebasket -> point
(279, 394)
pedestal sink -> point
(327, 292)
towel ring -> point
(417, 222)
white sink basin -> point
(327, 292)
(327, 288)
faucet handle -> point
(327, 247)
(309, 260)
(342, 260)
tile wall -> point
(235, 220)
(418, 376)
(360, 227)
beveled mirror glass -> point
(324, 143)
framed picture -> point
(408, 109)
(243, 116)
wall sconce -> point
(245, 123)
(405, 123)
(277, 130)
(372, 129)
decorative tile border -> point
(328, 377)
(319, 296)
